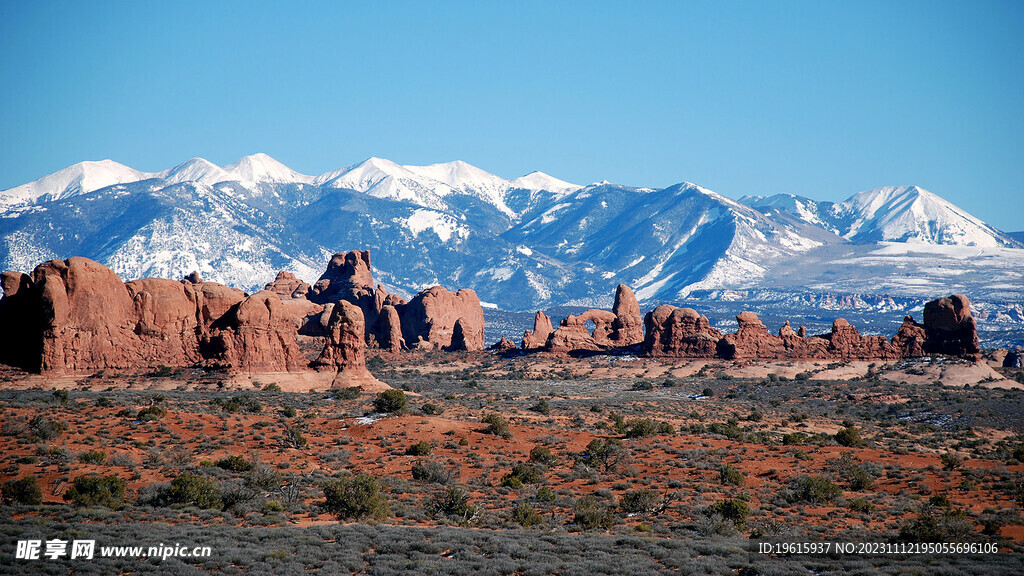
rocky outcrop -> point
(572, 333)
(503, 345)
(538, 337)
(429, 319)
(672, 331)
(628, 326)
(751, 340)
(950, 328)
(909, 339)
(390, 329)
(347, 273)
(287, 285)
(259, 334)
(345, 347)
(20, 336)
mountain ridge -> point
(527, 242)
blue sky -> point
(822, 99)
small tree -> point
(950, 461)
(356, 497)
(541, 407)
(608, 453)
(46, 428)
(96, 490)
(421, 448)
(736, 511)
(589, 514)
(849, 436)
(497, 425)
(815, 490)
(24, 491)
(731, 476)
(524, 515)
(542, 455)
(451, 502)
(391, 401)
(190, 489)
(639, 502)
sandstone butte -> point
(76, 315)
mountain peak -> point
(538, 180)
(261, 167)
(80, 178)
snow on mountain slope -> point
(540, 181)
(912, 214)
(382, 178)
(890, 214)
(469, 180)
(198, 170)
(262, 168)
(80, 178)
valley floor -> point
(525, 465)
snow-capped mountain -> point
(891, 214)
(80, 178)
(524, 243)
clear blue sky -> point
(821, 99)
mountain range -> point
(526, 243)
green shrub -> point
(642, 385)
(431, 471)
(793, 438)
(272, 387)
(92, 457)
(639, 502)
(190, 489)
(524, 515)
(289, 412)
(421, 448)
(293, 437)
(950, 461)
(731, 476)
(646, 427)
(541, 407)
(707, 392)
(815, 490)
(96, 490)
(151, 413)
(952, 525)
(860, 505)
(24, 491)
(242, 403)
(607, 453)
(496, 425)
(46, 428)
(542, 455)
(453, 502)
(546, 495)
(736, 511)
(390, 401)
(590, 514)
(523, 474)
(350, 393)
(235, 463)
(355, 498)
(849, 436)
(432, 409)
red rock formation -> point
(909, 339)
(672, 331)
(751, 340)
(345, 348)
(431, 315)
(87, 317)
(503, 345)
(287, 285)
(167, 320)
(349, 277)
(20, 334)
(538, 337)
(846, 343)
(572, 333)
(259, 334)
(390, 329)
(950, 328)
(628, 326)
